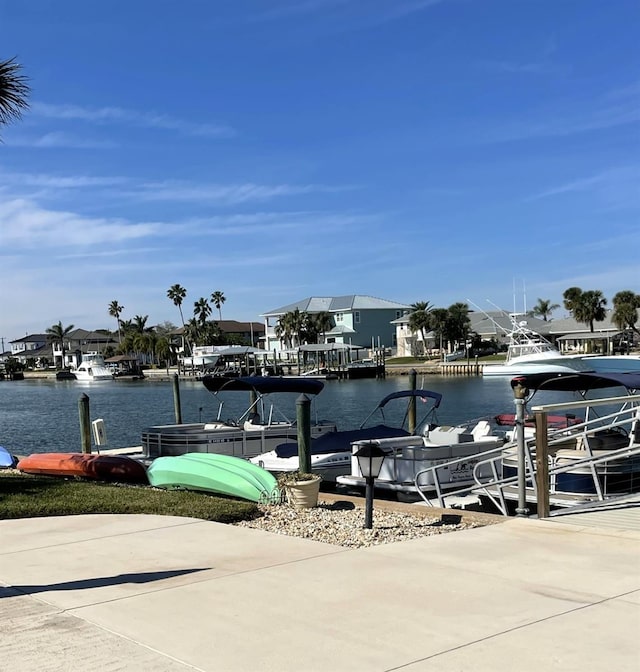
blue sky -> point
(413, 150)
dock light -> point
(370, 458)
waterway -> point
(42, 415)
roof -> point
(84, 335)
(335, 304)
(31, 338)
(340, 329)
(588, 335)
(568, 324)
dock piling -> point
(85, 423)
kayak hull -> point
(210, 472)
(85, 465)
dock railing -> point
(541, 472)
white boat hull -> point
(411, 455)
(571, 365)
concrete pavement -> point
(137, 593)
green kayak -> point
(210, 472)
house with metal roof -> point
(490, 326)
(358, 320)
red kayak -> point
(85, 465)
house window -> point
(398, 314)
(356, 317)
(339, 317)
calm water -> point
(42, 415)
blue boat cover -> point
(338, 442)
(263, 384)
(577, 382)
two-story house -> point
(365, 321)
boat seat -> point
(483, 428)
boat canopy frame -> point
(423, 395)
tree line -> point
(157, 344)
(452, 325)
(590, 306)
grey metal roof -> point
(340, 329)
(588, 335)
(316, 304)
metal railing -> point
(540, 472)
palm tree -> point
(14, 91)
(140, 324)
(164, 351)
(571, 298)
(544, 308)
(439, 325)
(282, 330)
(115, 310)
(218, 298)
(289, 327)
(323, 322)
(420, 320)
(201, 310)
(177, 294)
(625, 311)
(586, 307)
(192, 331)
(458, 323)
(57, 334)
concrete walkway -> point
(142, 593)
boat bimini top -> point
(263, 384)
(423, 395)
(577, 382)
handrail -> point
(491, 459)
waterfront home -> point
(365, 321)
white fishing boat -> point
(529, 352)
(260, 428)
(613, 363)
(92, 368)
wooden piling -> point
(411, 411)
(176, 399)
(303, 418)
(85, 423)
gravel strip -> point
(341, 524)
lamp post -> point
(370, 458)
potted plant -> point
(301, 489)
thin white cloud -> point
(569, 187)
(228, 194)
(526, 68)
(59, 181)
(359, 14)
(24, 224)
(608, 111)
(615, 188)
(58, 140)
(263, 223)
(121, 116)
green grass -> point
(26, 496)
